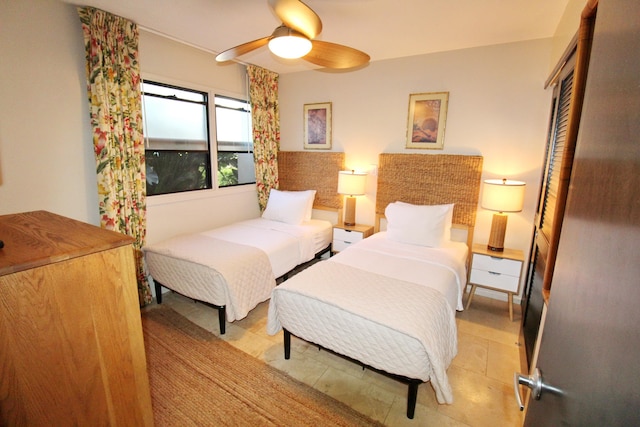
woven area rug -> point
(198, 379)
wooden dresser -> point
(71, 345)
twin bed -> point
(387, 302)
(234, 268)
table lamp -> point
(351, 183)
(501, 195)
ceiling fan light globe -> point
(290, 46)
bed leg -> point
(412, 397)
(287, 344)
(158, 287)
(222, 320)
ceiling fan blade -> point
(297, 16)
(332, 55)
(236, 51)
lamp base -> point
(350, 211)
(498, 229)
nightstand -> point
(345, 235)
(499, 271)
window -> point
(176, 128)
(235, 144)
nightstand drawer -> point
(340, 245)
(347, 236)
(496, 265)
(495, 280)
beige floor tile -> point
(306, 370)
(356, 392)
(472, 353)
(503, 361)
(424, 416)
(480, 400)
(490, 329)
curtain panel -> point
(113, 87)
(265, 115)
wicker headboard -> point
(431, 179)
(312, 170)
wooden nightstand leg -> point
(510, 297)
(473, 291)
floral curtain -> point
(113, 86)
(265, 115)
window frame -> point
(218, 151)
(215, 191)
(168, 143)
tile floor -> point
(481, 375)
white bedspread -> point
(286, 245)
(440, 268)
(242, 273)
(383, 304)
(234, 266)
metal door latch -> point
(535, 383)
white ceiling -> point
(384, 29)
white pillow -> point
(424, 225)
(291, 207)
(311, 196)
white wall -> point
(46, 154)
(566, 30)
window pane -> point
(233, 130)
(173, 124)
(170, 171)
(235, 143)
(177, 139)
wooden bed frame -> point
(423, 179)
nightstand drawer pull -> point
(494, 273)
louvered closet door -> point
(549, 203)
(559, 154)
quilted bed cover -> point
(235, 266)
(387, 304)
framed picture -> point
(317, 126)
(427, 120)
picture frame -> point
(317, 126)
(427, 120)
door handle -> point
(535, 383)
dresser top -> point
(34, 239)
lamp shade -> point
(288, 43)
(352, 183)
(503, 195)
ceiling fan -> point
(295, 39)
